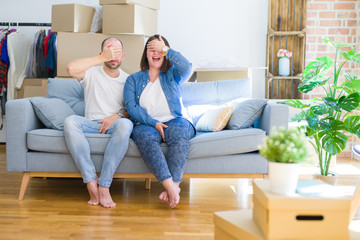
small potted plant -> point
(284, 62)
(284, 149)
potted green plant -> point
(328, 119)
(284, 149)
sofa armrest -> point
(20, 118)
(274, 114)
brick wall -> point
(338, 20)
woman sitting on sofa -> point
(153, 100)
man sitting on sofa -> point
(104, 113)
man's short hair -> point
(103, 42)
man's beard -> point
(110, 66)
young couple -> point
(150, 97)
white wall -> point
(227, 33)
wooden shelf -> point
(300, 34)
(286, 30)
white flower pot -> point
(284, 66)
(283, 177)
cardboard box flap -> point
(275, 201)
(154, 4)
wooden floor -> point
(57, 209)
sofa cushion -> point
(50, 140)
(226, 142)
(217, 92)
(214, 120)
(203, 145)
(69, 90)
(246, 112)
(51, 111)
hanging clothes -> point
(50, 61)
(30, 63)
(4, 66)
(18, 49)
(55, 55)
(4, 62)
(3, 69)
(40, 57)
(35, 53)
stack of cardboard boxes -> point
(129, 20)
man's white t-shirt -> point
(103, 94)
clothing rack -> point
(24, 24)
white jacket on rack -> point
(18, 45)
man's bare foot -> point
(172, 192)
(93, 192)
(105, 197)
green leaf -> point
(350, 102)
(334, 143)
(351, 86)
(319, 109)
(315, 74)
(312, 119)
(309, 131)
(298, 117)
(350, 76)
(337, 45)
(351, 55)
(352, 124)
(333, 140)
(331, 103)
(295, 103)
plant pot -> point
(331, 178)
(283, 177)
(284, 66)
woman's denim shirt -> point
(170, 83)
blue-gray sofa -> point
(40, 151)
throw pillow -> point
(51, 111)
(214, 120)
(69, 90)
(246, 113)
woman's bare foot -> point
(92, 188)
(164, 197)
(105, 197)
(172, 193)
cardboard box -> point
(31, 87)
(299, 217)
(71, 18)
(154, 4)
(239, 225)
(217, 74)
(236, 225)
(72, 46)
(130, 18)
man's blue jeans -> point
(75, 128)
(177, 137)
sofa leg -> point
(24, 183)
(147, 183)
